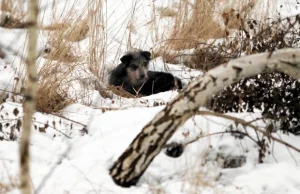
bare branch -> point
(245, 123)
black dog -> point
(133, 76)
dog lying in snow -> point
(134, 77)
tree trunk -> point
(30, 98)
(131, 165)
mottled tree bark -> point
(30, 98)
(130, 166)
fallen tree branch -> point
(130, 166)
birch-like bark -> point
(130, 166)
(30, 98)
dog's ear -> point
(146, 54)
(126, 58)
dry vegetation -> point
(49, 97)
(196, 26)
(6, 188)
(193, 26)
(215, 31)
(194, 22)
(61, 53)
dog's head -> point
(137, 66)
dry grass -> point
(6, 188)
(6, 5)
(63, 35)
(11, 185)
(12, 7)
(167, 12)
(120, 92)
(49, 97)
(60, 35)
(68, 31)
(193, 23)
(203, 20)
(63, 57)
(12, 14)
(98, 39)
(198, 25)
(60, 51)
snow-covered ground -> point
(72, 152)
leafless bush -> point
(275, 94)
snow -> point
(71, 152)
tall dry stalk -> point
(30, 97)
(98, 37)
(193, 22)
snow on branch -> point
(131, 165)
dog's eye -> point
(133, 66)
(47, 50)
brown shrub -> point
(49, 98)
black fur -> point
(160, 82)
(133, 76)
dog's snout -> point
(142, 76)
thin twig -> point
(217, 133)
(51, 171)
(243, 122)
